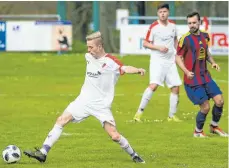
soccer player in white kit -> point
(161, 39)
(95, 98)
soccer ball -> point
(11, 154)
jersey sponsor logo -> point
(93, 74)
(201, 54)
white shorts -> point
(80, 111)
(168, 73)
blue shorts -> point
(200, 93)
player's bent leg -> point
(147, 95)
(122, 141)
(174, 100)
(218, 100)
(200, 119)
(52, 137)
(217, 111)
(198, 96)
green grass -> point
(36, 88)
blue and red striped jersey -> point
(194, 49)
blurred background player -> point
(161, 39)
(192, 55)
(63, 41)
(95, 98)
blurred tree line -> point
(80, 13)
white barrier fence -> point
(131, 38)
(35, 35)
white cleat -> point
(217, 130)
(199, 134)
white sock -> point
(173, 104)
(199, 130)
(126, 146)
(52, 137)
(214, 123)
(145, 99)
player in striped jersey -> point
(192, 56)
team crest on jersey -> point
(104, 65)
(202, 54)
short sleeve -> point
(150, 33)
(207, 38)
(115, 64)
(182, 46)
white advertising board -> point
(25, 36)
(121, 13)
(131, 38)
(38, 35)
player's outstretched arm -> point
(212, 61)
(180, 63)
(133, 70)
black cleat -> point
(138, 159)
(36, 155)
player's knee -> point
(206, 108)
(175, 90)
(153, 87)
(219, 103)
(62, 120)
(116, 137)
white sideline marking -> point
(221, 81)
(75, 95)
(66, 134)
(72, 95)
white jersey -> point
(101, 77)
(162, 35)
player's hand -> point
(163, 49)
(190, 74)
(216, 66)
(141, 71)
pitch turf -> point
(36, 88)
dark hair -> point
(194, 14)
(163, 6)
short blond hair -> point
(95, 36)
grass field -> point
(36, 88)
